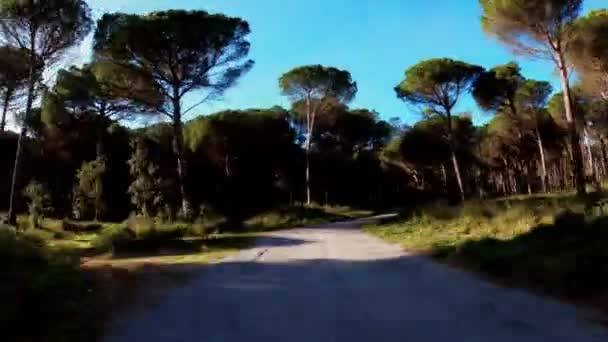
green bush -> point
(39, 201)
(37, 236)
(40, 291)
(80, 227)
(549, 243)
(15, 249)
(110, 233)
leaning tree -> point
(45, 30)
(314, 86)
(183, 52)
(437, 85)
(540, 29)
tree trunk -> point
(453, 155)
(526, 170)
(577, 162)
(503, 183)
(7, 100)
(604, 157)
(458, 177)
(310, 119)
(178, 150)
(444, 175)
(543, 161)
(12, 208)
(508, 180)
(479, 183)
(587, 148)
(308, 194)
(594, 174)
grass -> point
(302, 216)
(552, 244)
(43, 291)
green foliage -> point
(15, 249)
(39, 202)
(37, 236)
(557, 110)
(437, 84)
(519, 240)
(495, 89)
(209, 55)
(290, 217)
(530, 27)
(88, 192)
(103, 240)
(589, 50)
(146, 188)
(432, 133)
(57, 24)
(13, 76)
(40, 290)
(13, 71)
(99, 92)
(317, 82)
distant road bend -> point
(336, 283)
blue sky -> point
(376, 40)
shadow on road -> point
(394, 299)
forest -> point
(82, 149)
(120, 138)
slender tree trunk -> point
(453, 155)
(526, 170)
(458, 177)
(479, 182)
(309, 128)
(6, 102)
(12, 208)
(507, 177)
(604, 157)
(308, 194)
(101, 157)
(577, 161)
(514, 183)
(591, 161)
(178, 150)
(444, 175)
(543, 161)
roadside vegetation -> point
(553, 244)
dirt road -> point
(336, 283)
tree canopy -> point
(437, 84)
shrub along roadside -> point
(302, 216)
(43, 291)
(522, 243)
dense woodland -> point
(84, 152)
